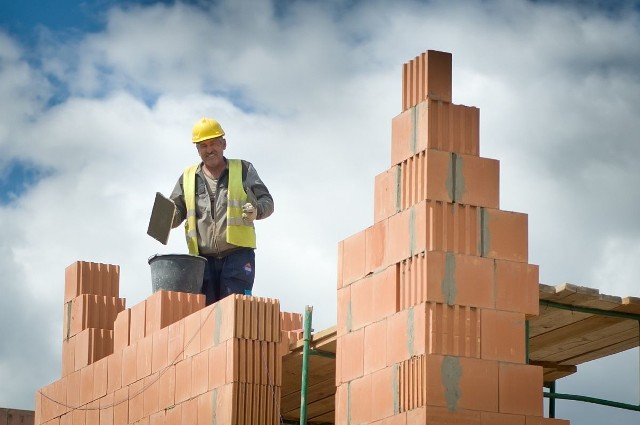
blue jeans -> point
(233, 274)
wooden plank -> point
(568, 335)
(598, 342)
(318, 391)
(553, 371)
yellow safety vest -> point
(238, 233)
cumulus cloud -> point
(306, 92)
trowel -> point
(161, 218)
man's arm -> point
(255, 186)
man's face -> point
(211, 151)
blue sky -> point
(99, 98)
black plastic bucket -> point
(177, 272)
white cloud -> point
(308, 97)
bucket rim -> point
(155, 257)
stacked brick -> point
(433, 297)
(165, 361)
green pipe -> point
(592, 400)
(552, 401)
(305, 364)
(581, 309)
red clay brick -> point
(457, 279)
(157, 418)
(385, 292)
(383, 393)
(217, 357)
(151, 395)
(411, 383)
(520, 389)
(190, 411)
(492, 418)
(477, 181)
(183, 380)
(91, 278)
(416, 416)
(442, 226)
(375, 246)
(342, 403)
(351, 349)
(68, 356)
(406, 334)
(504, 235)
(441, 415)
(428, 75)
(160, 348)
(173, 415)
(362, 312)
(121, 406)
(205, 409)
(78, 417)
(144, 353)
(200, 373)
(129, 364)
(86, 384)
(503, 336)
(167, 387)
(106, 409)
(114, 372)
(73, 389)
(375, 347)
(403, 136)
(437, 125)
(290, 321)
(158, 312)
(354, 258)
(121, 329)
(385, 198)
(400, 241)
(175, 342)
(138, 314)
(459, 383)
(426, 175)
(360, 397)
(100, 376)
(452, 330)
(192, 334)
(224, 403)
(90, 311)
(517, 287)
(208, 324)
(136, 401)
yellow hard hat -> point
(205, 129)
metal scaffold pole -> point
(305, 364)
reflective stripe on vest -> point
(238, 233)
(191, 226)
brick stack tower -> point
(433, 297)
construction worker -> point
(220, 198)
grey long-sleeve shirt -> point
(211, 206)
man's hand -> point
(249, 213)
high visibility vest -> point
(238, 233)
